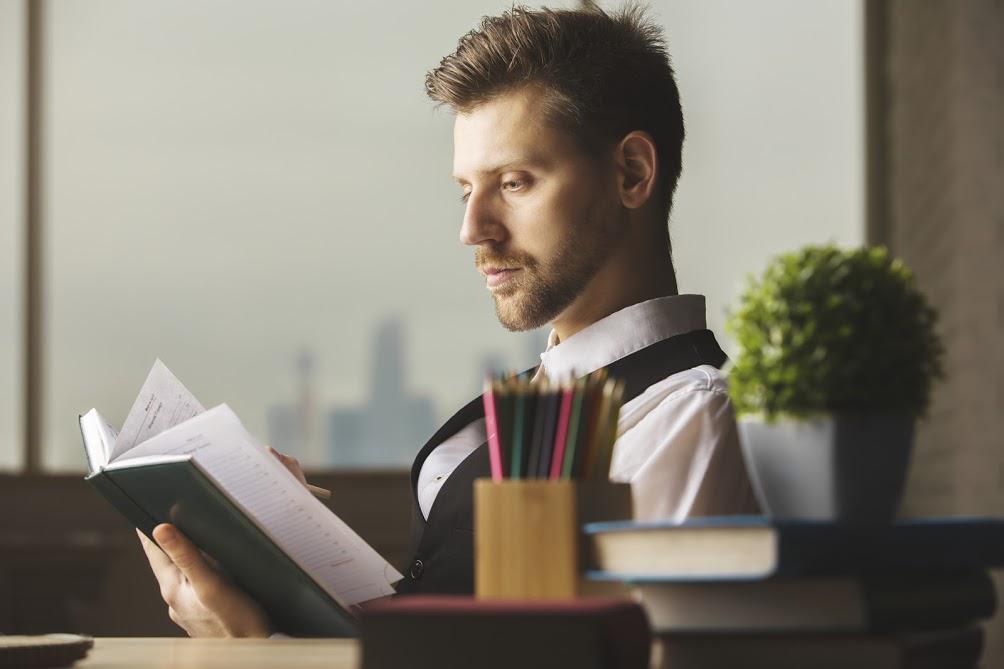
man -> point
(567, 146)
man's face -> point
(542, 214)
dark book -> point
(873, 603)
(755, 547)
(203, 472)
(939, 649)
(433, 632)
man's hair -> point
(604, 76)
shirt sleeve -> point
(683, 459)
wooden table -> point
(169, 653)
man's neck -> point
(625, 280)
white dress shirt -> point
(677, 442)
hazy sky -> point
(231, 181)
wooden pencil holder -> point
(526, 533)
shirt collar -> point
(620, 334)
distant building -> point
(389, 429)
(295, 428)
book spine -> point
(125, 505)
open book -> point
(175, 462)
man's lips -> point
(496, 276)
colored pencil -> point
(598, 429)
(539, 419)
(554, 395)
(574, 430)
(602, 470)
(561, 431)
(592, 417)
(519, 401)
(491, 427)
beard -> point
(543, 288)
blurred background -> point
(258, 193)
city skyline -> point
(393, 421)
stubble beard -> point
(542, 290)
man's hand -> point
(200, 599)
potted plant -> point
(837, 357)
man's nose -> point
(481, 223)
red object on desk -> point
(450, 631)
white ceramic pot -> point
(842, 467)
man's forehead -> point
(506, 131)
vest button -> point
(416, 570)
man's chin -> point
(515, 314)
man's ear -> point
(637, 160)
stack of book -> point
(751, 592)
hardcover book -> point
(174, 462)
(755, 547)
(875, 603)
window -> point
(11, 225)
(258, 194)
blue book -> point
(755, 548)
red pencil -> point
(558, 457)
(491, 427)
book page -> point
(162, 403)
(327, 549)
(99, 439)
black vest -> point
(443, 546)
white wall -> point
(773, 102)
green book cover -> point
(179, 493)
(200, 470)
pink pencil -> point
(558, 457)
(491, 427)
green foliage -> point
(829, 330)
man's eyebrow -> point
(528, 161)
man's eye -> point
(513, 184)
(466, 196)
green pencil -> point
(519, 413)
(574, 429)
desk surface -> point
(221, 654)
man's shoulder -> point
(703, 381)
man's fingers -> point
(186, 557)
(159, 561)
(167, 575)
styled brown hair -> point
(605, 75)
